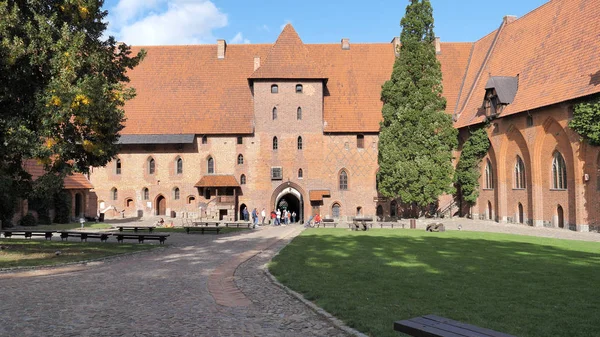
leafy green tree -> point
(586, 120)
(467, 172)
(417, 136)
(62, 86)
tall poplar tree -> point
(62, 90)
(417, 137)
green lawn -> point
(32, 252)
(69, 226)
(525, 286)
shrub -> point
(28, 220)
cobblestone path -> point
(202, 285)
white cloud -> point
(284, 24)
(166, 22)
(239, 38)
(265, 28)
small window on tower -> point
(274, 89)
(298, 88)
(360, 141)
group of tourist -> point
(278, 218)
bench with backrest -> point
(202, 229)
(205, 224)
(64, 235)
(437, 326)
(28, 233)
(238, 224)
(140, 237)
(325, 222)
(134, 228)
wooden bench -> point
(135, 228)
(238, 224)
(140, 237)
(64, 235)
(326, 222)
(436, 326)
(391, 224)
(205, 224)
(202, 229)
(28, 233)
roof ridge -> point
(483, 64)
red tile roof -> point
(288, 58)
(317, 195)
(555, 52)
(187, 90)
(217, 181)
(75, 181)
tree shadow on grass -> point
(524, 286)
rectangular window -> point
(276, 173)
(360, 141)
(240, 140)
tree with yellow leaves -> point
(62, 90)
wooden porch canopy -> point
(217, 181)
(318, 195)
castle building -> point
(218, 128)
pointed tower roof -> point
(288, 58)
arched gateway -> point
(289, 196)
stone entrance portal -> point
(289, 196)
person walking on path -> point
(263, 214)
(273, 215)
(255, 218)
(245, 213)
(293, 216)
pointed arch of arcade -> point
(509, 199)
(490, 195)
(550, 138)
(290, 186)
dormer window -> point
(500, 91)
(274, 89)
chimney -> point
(509, 19)
(396, 43)
(345, 44)
(221, 46)
(438, 46)
(256, 62)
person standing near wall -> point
(263, 214)
(255, 218)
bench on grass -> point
(436, 326)
(134, 228)
(28, 233)
(140, 237)
(238, 224)
(361, 223)
(202, 229)
(326, 222)
(205, 224)
(391, 224)
(64, 235)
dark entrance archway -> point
(78, 205)
(561, 217)
(521, 213)
(293, 195)
(242, 206)
(161, 205)
(291, 203)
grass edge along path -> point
(17, 253)
(522, 285)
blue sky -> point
(159, 22)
